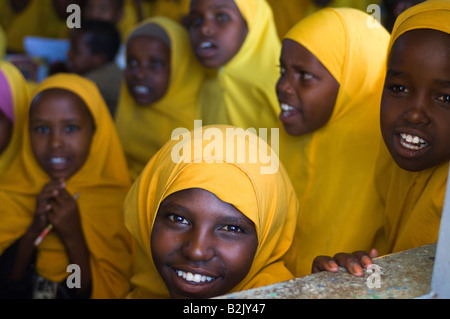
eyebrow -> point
(398, 74)
(168, 204)
(444, 83)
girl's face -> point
(61, 131)
(201, 246)
(148, 69)
(307, 92)
(217, 31)
(415, 108)
(6, 127)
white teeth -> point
(205, 45)
(141, 89)
(412, 142)
(285, 107)
(197, 278)
(57, 160)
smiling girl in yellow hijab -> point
(267, 200)
(332, 167)
(101, 183)
(241, 92)
(14, 102)
(414, 195)
(144, 129)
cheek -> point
(162, 242)
(389, 113)
(38, 146)
(239, 258)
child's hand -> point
(64, 214)
(353, 262)
(43, 204)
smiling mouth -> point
(286, 107)
(58, 160)
(206, 49)
(412, 142)
(194, 278)
(206, 45)
(141, 90)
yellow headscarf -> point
(20, 101)
(144, 129)
(267, 199)
(242, 92)
(414, 200)
(102, 183)
(332, 168)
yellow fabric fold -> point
(143, 129)
(38, 19)
(242, 92)
(21, 100)
(267, 199)
(332, 168)
(413, 200)
(102, 183)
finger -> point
(364, 258)
(373, 253)
(350, 262)
(324, 263)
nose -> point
(283, 86)
(207, 28)
(56, 140)
(417, 113)
(198, 246)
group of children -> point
(363, 120)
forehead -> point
(151, 44)
(51, 102)
(199, 5)
(422, 45)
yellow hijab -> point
(413, 200)
(20, 98)
(144, 129)
(242, 92)
(332, 168)
(102, 183)
(267, 199)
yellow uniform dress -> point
(102, 183)
(332, 168)
(268, 200)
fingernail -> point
(332, 264)
(357, 271)
(366, 261)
